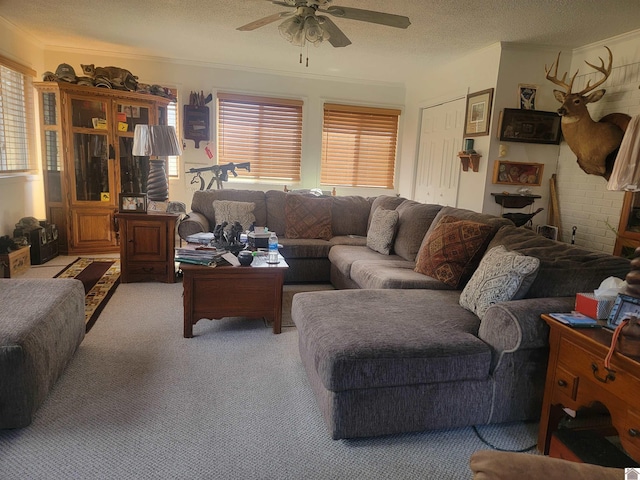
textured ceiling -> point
(205, 30)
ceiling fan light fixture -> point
(313, 31)
(291, 29)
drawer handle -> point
(148, 269)
(562, 383)
(633, 432)
(611, 374)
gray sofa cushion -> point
(382, 230)
(349, 215)
(304, 248)
(564, 269)
(414, 219)
(392, 274)
(275, 200)
(434, 340)
(388, 202)
(343, 256)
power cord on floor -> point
(489, 444)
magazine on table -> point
(575, 319)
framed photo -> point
(478, 113)
(133, 203)
(624, 307)
(517, 173)
(527, 96)
(529, 126)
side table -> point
(577, 377)
(147, 247)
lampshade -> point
(155, 140)
(299, 30)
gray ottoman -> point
(41, 326)
(389, 361)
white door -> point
(438, 168)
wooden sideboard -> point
(577, 377)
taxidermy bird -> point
(521, 219)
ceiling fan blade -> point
(370, 16)
(336, 37)
(284, 4)
(264, 21)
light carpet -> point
(140, 401)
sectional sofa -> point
(436, 320)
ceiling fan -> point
(304, 25)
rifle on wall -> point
(220, 173)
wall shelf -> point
(469, 160)
(515, 200)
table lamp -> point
(156, 141)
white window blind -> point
(359, 146)
(16, 117)
(264, 131)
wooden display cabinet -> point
(147, 246)
(86, 141)
(628, 237)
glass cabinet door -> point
(91, 167)
(133, 170)
(52, 161)
(93, 172)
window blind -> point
(16, 117)
(264, 131)
(359, 146)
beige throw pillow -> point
(500, 277)
(382, 230)
(231, 212)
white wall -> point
(210, 79)
(584, 200)
(21, 195)
(469, 74)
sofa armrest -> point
(490, 465)
(194, 222)
(514, 325)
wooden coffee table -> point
(225, 291)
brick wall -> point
(584, 201)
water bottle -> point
(273, 248)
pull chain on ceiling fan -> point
(304, 26)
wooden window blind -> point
(359, 146)
(16, 117)
(264, 131)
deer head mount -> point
(594, 143)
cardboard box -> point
(16, 262)
(595, 307)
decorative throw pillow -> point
(231, 212)
(382, 230)
(307, 217)
(452, 250)
(500, 277)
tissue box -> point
(595, 307)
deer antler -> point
(601, 69)
(554, 78)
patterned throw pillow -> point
(382, 230)
(307, 217)
(500, 277)
(230, 212)
(453, 250)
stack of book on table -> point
(199, 254)
(575, 319)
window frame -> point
(273, 148)
(28, 163)
(345, 124)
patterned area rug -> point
(100, 277)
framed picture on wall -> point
(527, 96)
(478, 114)
(529, 126)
